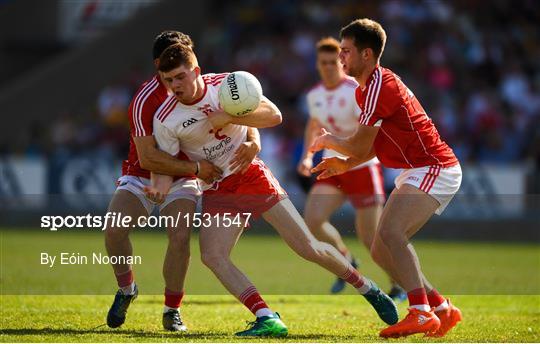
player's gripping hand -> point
(331, 167)
(322, 141)
(154, 194)
(219, 119)
(243, 157)
(209, 172)
(304, 167)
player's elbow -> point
(276, 119)
(145, 164)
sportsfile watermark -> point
(119, 220)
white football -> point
(240, 93)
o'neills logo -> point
(233, 88)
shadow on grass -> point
(211, 302)
(109, 335)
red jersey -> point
(141, 112)
(407, 137)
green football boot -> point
(267, 326)
(383, 304)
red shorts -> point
(363, 187)
(255, 192)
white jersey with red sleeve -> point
(407, 137)
(185, 127)
(336, 109)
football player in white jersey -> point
(332, 105)
(191, 121)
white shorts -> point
(440, 183)
(184, 188)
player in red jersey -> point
(129, 199)
(332, 105)
(214, 134)
(394, 127)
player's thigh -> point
(126, 203)
(366, 222)
(322, 201)
(177, 214)
(406, 211)
(218, 240)
(289, 224)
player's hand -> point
(321, 141)
(243, 157)
(154, 195)
(219, 119)
(209, 172)
(304, 167)
(331, 167)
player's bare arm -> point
(359, 145)
(266, 115)
(313, 128)
(338, 165)
(153, 159)
(247, 151)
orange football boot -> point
(449, 318)
(416, 321)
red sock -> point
(124, 279)
(417, 297)
(435, 299)
(173, 299)
(353, 277)
(252, 299)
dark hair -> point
(175, 56)
(366, 33)
(168, 38)
(328, 44)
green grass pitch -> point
(497, 287)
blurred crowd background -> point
(474, 65)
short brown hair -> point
(175, 56)
(328, 44)
(167, 38)
(366, 33)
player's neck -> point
(333, 81)
(363, 77)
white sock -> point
(263, 312)
(424, 308)
(365, 287)
(167, 308)
(129, 290)
(442, 306)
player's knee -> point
(214, 261)
(179, 238)
(115, 234)
(392, 237)
(314, 222)
(313, 251)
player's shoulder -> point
(349, 82)
(315, 89)
(213, 79)
(163, 113)
(149, 87)
(152, 91)
(388, 76)
(383, 80)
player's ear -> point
(366, 53)
(197, 71)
